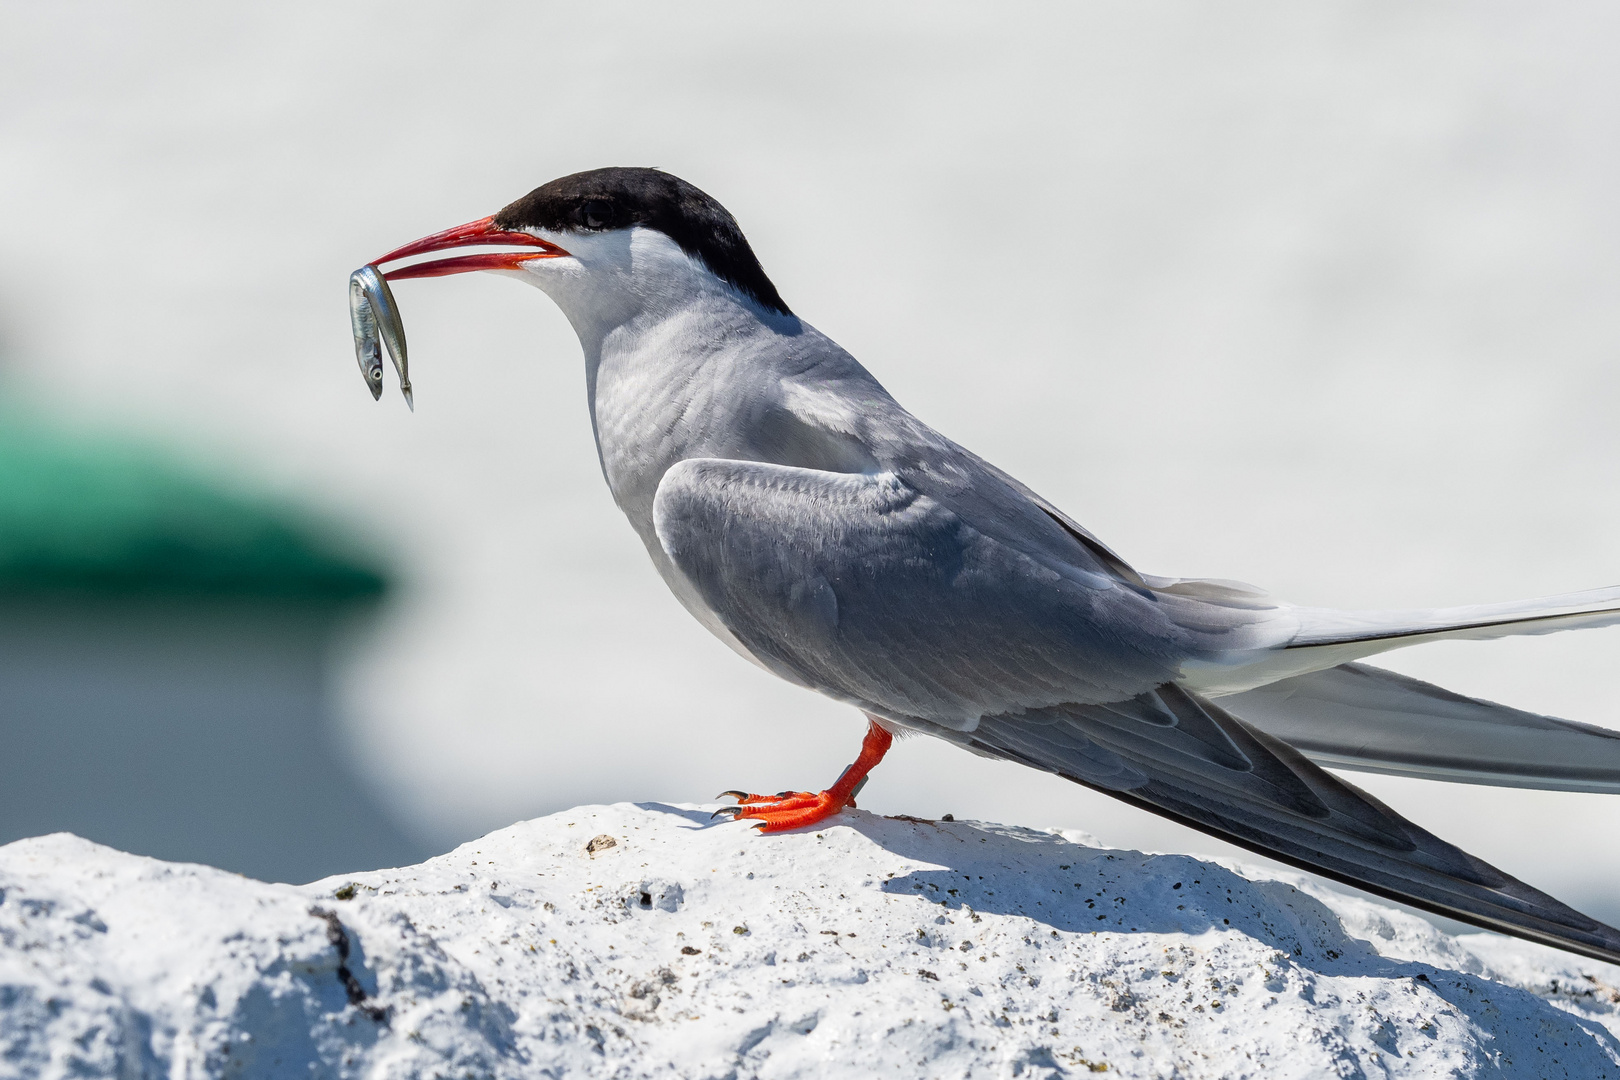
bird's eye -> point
(596, 213)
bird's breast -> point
(700, 387)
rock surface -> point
(632, 941)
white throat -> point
(650, 317)
(629, 277)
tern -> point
(831, 537)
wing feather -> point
(866, 588)
(1365, 718)
(1287, 808)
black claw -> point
(733, 812)
(738, 795)
(783, 794)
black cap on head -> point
(605, 199)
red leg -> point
(796, 809)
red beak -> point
(474, 233)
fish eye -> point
(596, 213)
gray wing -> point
(1184, 757)
(862, 587)
(873, 592)
(1365, 718)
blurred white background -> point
(1322, 297)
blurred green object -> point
(168, 647)
(91, 514)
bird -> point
(823, 532)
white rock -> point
(873, 946)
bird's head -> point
(612, 243)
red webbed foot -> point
(797, 809)
(790, 810)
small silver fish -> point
(373, 312)
(367, 349)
